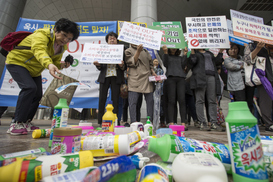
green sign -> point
(170, 24)
(171, 37)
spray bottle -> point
(148, 128)
(245, 144)
(108, 118)
(60, 117)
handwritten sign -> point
(139, 35)
(103, 53)
(252, 31)
(171, 37)
(207, 32)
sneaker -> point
(126, 125)
(217, 127)
(10, 127)
(204, 127)
(17, 129)
(269, 129)
(83, 121)
(30, 127)
(197, 124)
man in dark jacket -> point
(110, 74)
(204, 80)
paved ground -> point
(11, 143)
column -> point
(144, 11)
(10, 12)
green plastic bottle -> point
(22, 153)
(108, 118)
(60, 117)
(167, 147)
(148, 128)
(245, 144)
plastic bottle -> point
(178, 130)
(36, 169)
(75, 176)
(107, 145)
(116, 120)
(6, 159)
(167, 147)
(205, 167)
(60, 117)
(152, 172)
(138, 160)
(245, 144)
(119, 130)
(135, 137)
(108, 118)
(120, 169)
(137, 126)
(148, 128)
(41, 133)
(162, 131)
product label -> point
(134, 137)
(176, 148)
(150, 131)
(60, 117)
(140, 127)
(153, 172)
(65, 144)
(106, 171)
(106, 124)
(218, 150)
(98, 142)
(247, 151)
(45, 133)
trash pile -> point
(128, 150)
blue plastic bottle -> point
(245, 145)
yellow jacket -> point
(40, 55)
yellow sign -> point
(120, 24)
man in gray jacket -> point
(140, 66)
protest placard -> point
(232, 38)
(252, 31)
(207, 32)
(171, 37)
(103, 53)
(139, 35)
(246, 17)
(120, 24)
(169, 24)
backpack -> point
(11, 40)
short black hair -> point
(177, 52)
(233, 44)
(67, 26)
(111, 34)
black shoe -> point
(126, 125)
(270, 128)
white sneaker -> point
(17, 129)
(30, 127)
(10, 127)
(83, 121)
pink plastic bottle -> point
(178, 130)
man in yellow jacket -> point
(42, 49)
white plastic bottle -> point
(148, 128)
(137, 126)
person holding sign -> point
(141, 67)
(110, 74)
(175, 65)
(205, 81)
(40, 50)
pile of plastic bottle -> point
(127, 152)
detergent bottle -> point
(38, 168)
(108, 118)
(60, 117)
(245, 144)
(167, 147)
(148, 128)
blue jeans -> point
(30, 94)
